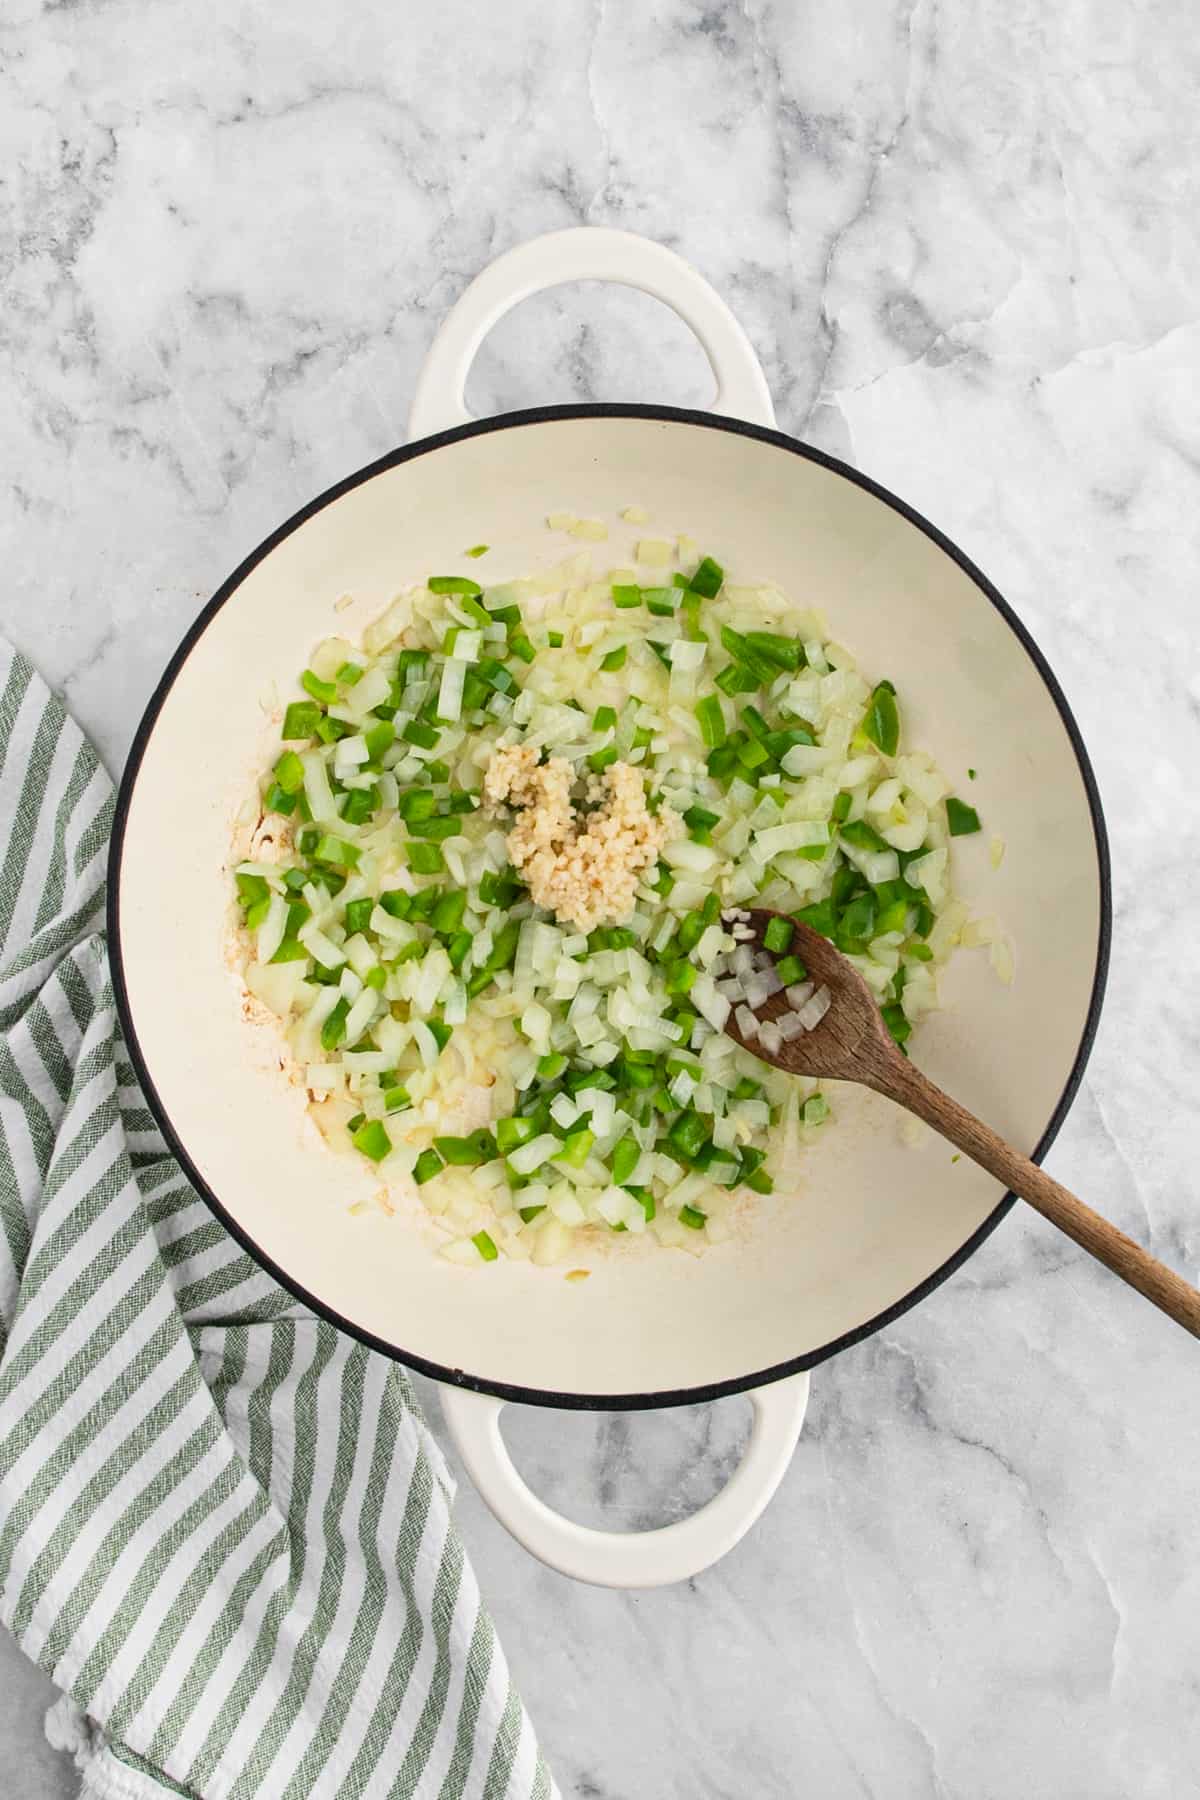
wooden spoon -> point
(852, 1043)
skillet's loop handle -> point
(629, 1559)
(586, 253)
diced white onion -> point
(322, 948)
(528, 1157)
(814, 1009)
(317, 790)
(450, 693)
(747, 1024)
(360, 1015)
(271, 931)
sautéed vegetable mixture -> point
(497, 913)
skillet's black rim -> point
(459, 1377)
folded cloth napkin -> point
(224, 1529)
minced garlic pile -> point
(589, 876)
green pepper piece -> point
(777, 938)
(447, 915)
(453, 584)
(691, 929)
(499, 890)
(334, 1029)
(289, 772)
(763, 668)
(712, 721)
(882, 721)
(858, 920)
(276, 800)
(379, 738)
(707, 579)
(435, 830)
(511, 1133)
(425, 859)
(681, 977)
(645, 1200)
(753, 754)
(360, 805)
(424, 736)
(324, 691)
(624, 1160)
(358, 915)
(897, 1022)
(428, 1164)
(372, 1140)
(416, 804)
(301, 720)
(791, 971)
(780, 742)
(292, 951)
(698, 819)
(466, 1152)
(862, 836)
(576, 1148)
(497, 676)
(735, 678)
(783, 652)
(252, 889)
(962, 819)
(747, 1089)
(336, 851)
(819, 917)
(688, 1134)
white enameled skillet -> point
(873, 1227)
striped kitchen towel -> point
(225, 1531)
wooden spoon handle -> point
(1168, 1291)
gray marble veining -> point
(962, 237)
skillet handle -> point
(586, 253)
(629, 1559)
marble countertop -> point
(962, 238)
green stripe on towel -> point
(224, 1530)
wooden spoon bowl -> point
(852, 1043)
